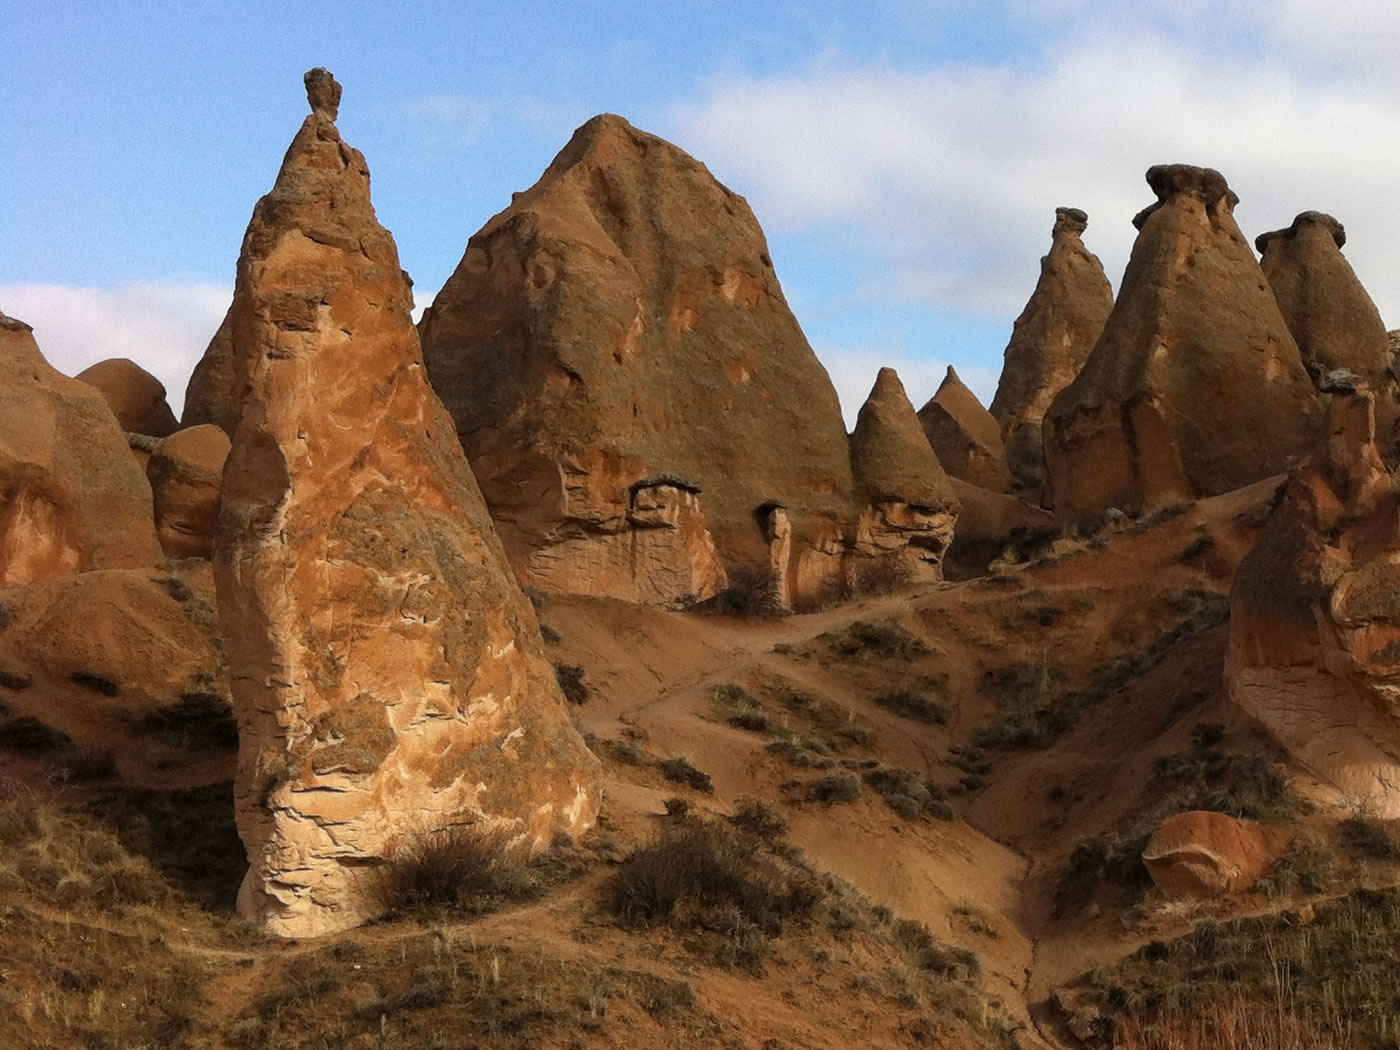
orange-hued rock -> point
(1196, 386)
(1334, 321)
(210, 396)
(137, 397)
(910, 509)
(965, 436)
(127, 664)
(988, 522)
(72, 496)
(1049, 344)
(388, 674)
(1314, 621)
(186, 473)
(1205, 854)
(620, 322)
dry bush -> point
(914, 706)
(464, 870)
(679, 770)
(572, 683)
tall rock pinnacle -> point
(1050, 342)
(965, 436)
(388, 675)
(1195, 386)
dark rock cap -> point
(1070, 220)
(1170, 180)
(13, 324)
(1306, 218)
(322, 91)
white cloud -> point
(943, 181)
(853, 371)
(162, 326)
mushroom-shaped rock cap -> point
(11, 324)
(1302, 221)
(890, 456)
(322, 91)
(1070, 220)
(1173, 180)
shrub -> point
(914, 706)
(199, 722)
(550, 634)
(1198, 548)
(29, 736)
(463, 870)
(571, 683)
(1369, 839)
(908, 794)
(759, 820)
(838, 787)
(680, 771)
(928, 953)
(885, 638)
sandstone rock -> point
(964, 435)
(988, 523)
(1195, 386)
(1314, 625)
(1334, 321)
(1204, 854)
(910, 508)
(388, 675)
(128, 666)
(1049, 344)
(186, 473)
(137, 397)
(620, 321)
(210, 396)
(72, 498)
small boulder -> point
(137, 397)
(1205, 854)
(186, 474)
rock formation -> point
(72, 497)
(1195, 386)
(186, 472)
(137, 398)
(388, 674)
(616, 341)
(964, 435)
(910, 508)
(209, 395)
(1205, 854)
(1334, 321)
(1314, 622)
(1049, 344)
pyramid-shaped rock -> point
(910, 507)
(389, 677)
(1334, 321)
(634, 395)
(72, 496)
(137, 397)
(1195, 386)
(1314, 622)
(965, 436)
(1050, 342)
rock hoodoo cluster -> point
(1314, 619)
(1195, 386)
(72, 497)
(1049, 344)
(388, 675)
(910, 508)
(641, 409)
(964, 435)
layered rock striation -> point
(965, 437)
(645, 417)
(1049, 344)
(387, 673)
(1314, 621)
(909, 506)
(72, 496)
(1196, 386)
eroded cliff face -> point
(1049, 344)
(621, 322)
(910, 509)
(387, 673)
(72, 496)
(1195, 386)
(1314, 621)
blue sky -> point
(904, 156)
